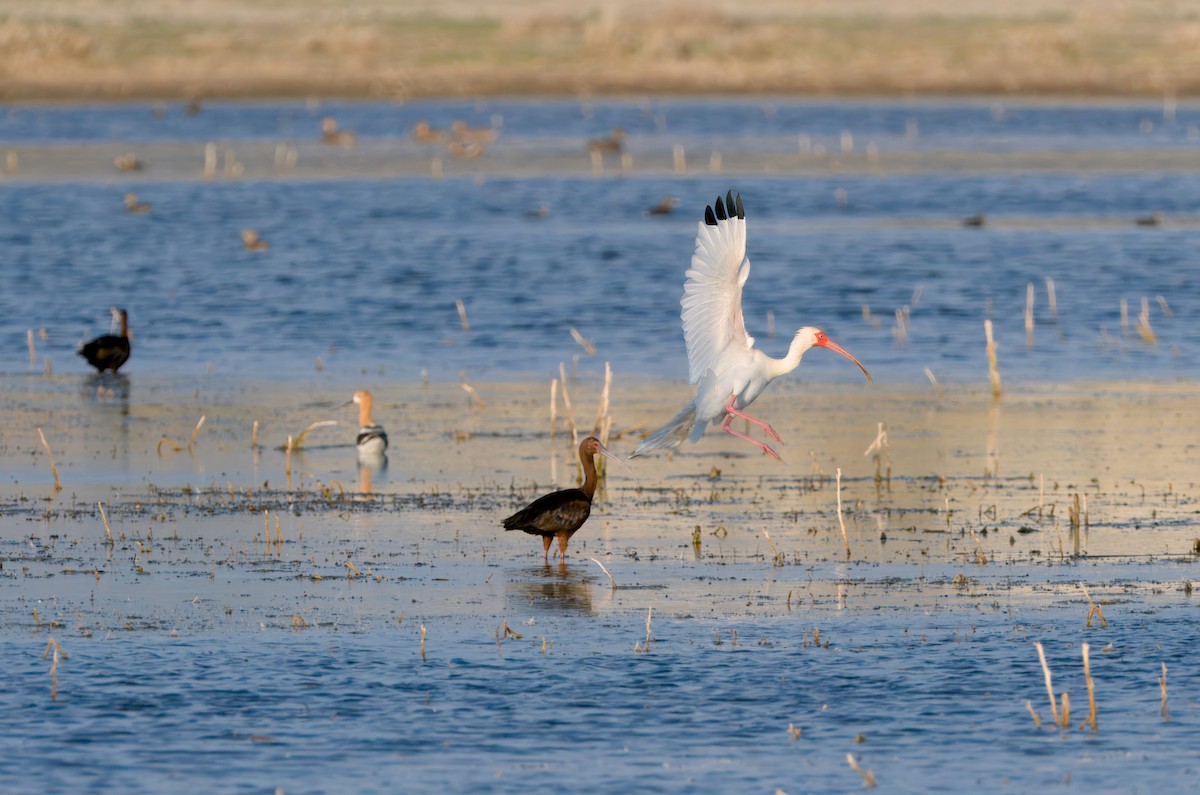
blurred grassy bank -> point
(81, 49)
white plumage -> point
(729, 372)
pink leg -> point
(729, 409)
(725, 427)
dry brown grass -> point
(408, 48)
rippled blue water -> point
(928, 701)
(365, 273)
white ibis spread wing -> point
(712, 295)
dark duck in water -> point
(560, 514)
(110, 351)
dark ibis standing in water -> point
(110, 351)
(560, 514)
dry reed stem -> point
(267, 527)
(195, 431)
(980, 558)
(1051, 299)
(868, 776)
(1143, 323)
(287, 458)
(933, 380)
(900, 330)
(610, 577)
(32, 347)
(1049, 688)
(278, 531)
(1162, 689)
(553, 406)
(602, 409)
(650, 613)
(175, 447)
(462, 315)
(1093, 609)
(53, 468)
(1029, 292)
(1163, 305)
(107, 529)
(1037, 721)
(777, 559)
(506, 632)
(298, 442)
(993, 365)
(254, 436)
(53, 647)
(352, 571)
(1091, 688)
(422, 643)
(298, 621)
(587, 346)
(841, 522)
(566, 396)
(470, 390)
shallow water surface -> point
(238, 617)
(369, 254)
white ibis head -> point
(809, 337)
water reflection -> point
(371, 469)
(556, 587)
(107, 388)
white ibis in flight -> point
(729, 372)
(110, 351)
(561, 513)
(372, 439)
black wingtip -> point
(724, 209)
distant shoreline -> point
(403, 49)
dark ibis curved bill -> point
(604, 451)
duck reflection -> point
(551, 588)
